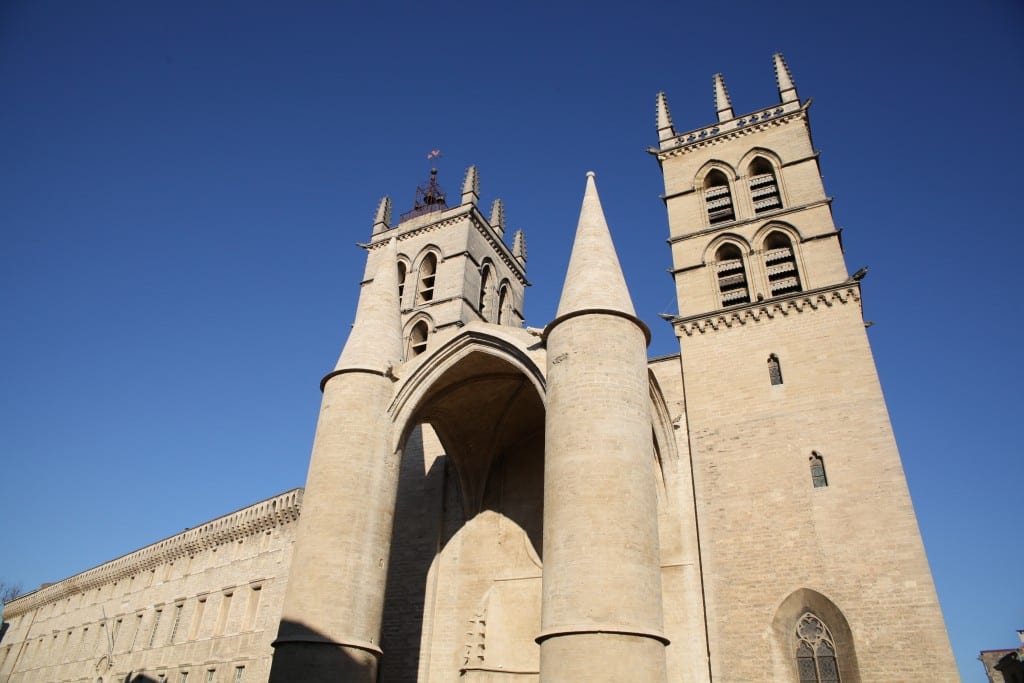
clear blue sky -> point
(182, 185)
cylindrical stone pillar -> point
(602, 605)
(330, 626)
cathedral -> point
(493, 503)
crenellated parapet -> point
(256, 519)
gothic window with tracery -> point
(815, 651)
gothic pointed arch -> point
(727, 257)
(811, 641)
(486, 299)
(426, 274)
(761, 170)
(417, 333)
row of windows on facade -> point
(762, 183)
(101, 643)
(143, 580)
(817, 462)
(780, 267)
(493, 303)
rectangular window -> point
(239, 672)
(113, 636)
(222, 614)
(197, 619)
(251, 608)
(138, 629)
(174, 625)
(183, 678)
(156, 625)
(210, 674)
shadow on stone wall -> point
(303, 654)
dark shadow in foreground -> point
(303, 654)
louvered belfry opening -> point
(780, 264)
(732, 276)
(718, 198)
(764, 186)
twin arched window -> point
(815, 651)
(763, 185)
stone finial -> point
(382, 221)
(375, 342)
(784, 79)
(519, 247)
(498, 217)
(664, 118)
(594, 279)
(471, 186)
(723, 104)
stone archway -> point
(464, 587)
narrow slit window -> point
(818, 477)
(732, 275)
(718, 198)
(774, 370)
(764, 186)
(175, 623)
(156, 626)
(504, 306)
(780, 264)
(815, 651)
(428, 273)
(401, 281)
(486, 280)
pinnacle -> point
(784, 79)
(663, 117)
(375, 342)
(594, 279)
(723, 103)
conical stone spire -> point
(664, 118)
(787, 90)
(375, 342)
(594, 279)
(723, 104)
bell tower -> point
(803, 511)
(454, 266)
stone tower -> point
(809, 545)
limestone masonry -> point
(550, 504)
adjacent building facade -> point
(491, 503)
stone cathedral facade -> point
(492, 503)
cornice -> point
(472, 212)
(798, 302)
(733, 129)
(765, 218)
(249, 521)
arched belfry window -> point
(418, 339)
(815, 651)
(718, 198)
(818, 476)
(780, 264)
(428, 271)
(504, 305)
(732, 275)
(774, 370)
(764, 186)
(486, 285)
(402, 270)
